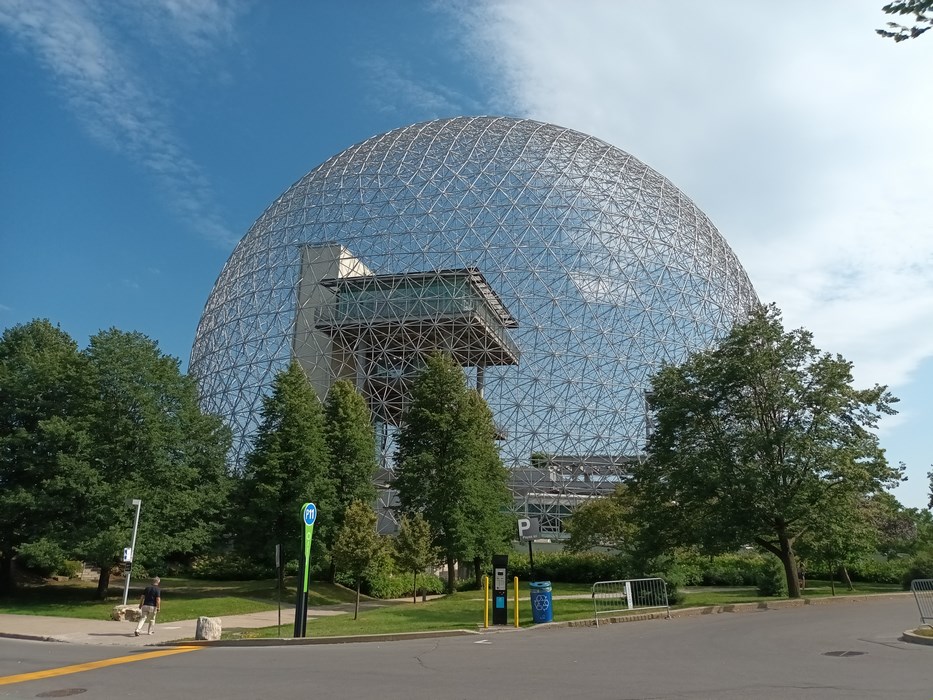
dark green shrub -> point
(771, 579)
(235, 567)
(741, 569)
(70, 568)
(688, 568)
(720, 575)
(868, 570)
(879, 570)
(386, 586)
(672, 582)
(733, 569)
(42, 557)
(919, 566)
(565, 567)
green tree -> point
(287, 467)
(923, 524)
(351, 441)
(359, 548)
(930, 476)
(754, 439)
(42, 381)
(605, 521)
(414, 549)
(922, 11)
(842, 533)
(447, 464)
(897, 528)
(492, 526)
(147, 439)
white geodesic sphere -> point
(607, 267)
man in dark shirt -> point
(150, 602)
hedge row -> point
(571, 568)
(747, 568)
(387, 585)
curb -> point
(583, 622)
(910, 636)
(783, 604)
(304, 641)
(758, 606)
(28, 637)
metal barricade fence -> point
(922, 588)
(629, 594)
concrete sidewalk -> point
(113, 633)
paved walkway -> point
(111, 632)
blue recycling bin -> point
(541, 609)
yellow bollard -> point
(485, 601)
(516, 601)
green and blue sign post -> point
(308, 516)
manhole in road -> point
(63, 693)
(844, 653)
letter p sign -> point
(528, 528)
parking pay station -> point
(500, 611)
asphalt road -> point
(768, 654)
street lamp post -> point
(126, 585)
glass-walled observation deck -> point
(448, 310)
(389, 324)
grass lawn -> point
(699, 596)
(182, 598)
(465, 610)
(185, 599)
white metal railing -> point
(629, 594)
(922, 588)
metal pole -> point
(531, 561)
(278, 581)
(126, 585)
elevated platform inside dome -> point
(400, 315)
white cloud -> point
(77, 43)
(199, 24)
(800, 132)
(393, 82)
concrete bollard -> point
(208, 629)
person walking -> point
(150, 602)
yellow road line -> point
(90, 666)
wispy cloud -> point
(797, 130)
(78, 43)
(394, 83)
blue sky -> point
(140, 139)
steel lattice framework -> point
(591, 266)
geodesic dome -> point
(606, 268)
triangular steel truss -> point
(606, 269)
